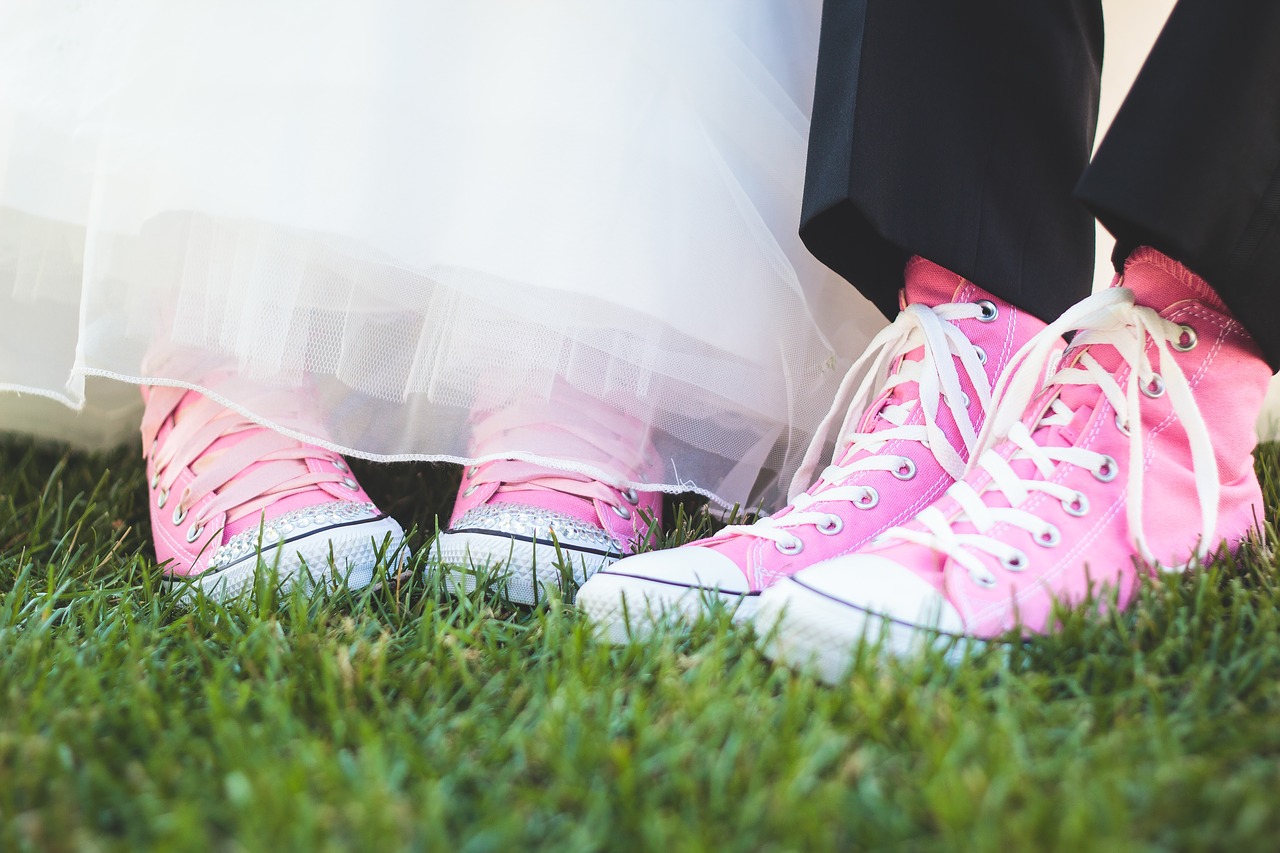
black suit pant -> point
(962, 131)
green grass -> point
(406, 719)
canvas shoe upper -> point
(535, 527)
(911, 408)
(1137, 457)
(227, 494)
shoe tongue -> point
(929, 284)
(926, 284)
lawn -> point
(403, 718)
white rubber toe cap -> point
(877, 585)
(699, 568)
(819, 618)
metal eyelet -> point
(350, 484)
(1107, 471)
(472, 471)
(833, 526)
(870, 497)
(1189, 335)
(1015, 562)
(194, 531)
(1121, 424)
(179, 514)
(1049, 536)
(621, 512)
(470, 490)
(155, 480)
(984, 581)
(989, 310)
(982, 355)
(631, 497)
(340, 465)
(163, 499)
(1077, 506)
(790, 550)
(1154, 388)
(906, 470)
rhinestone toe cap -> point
(291, 524)
(536, 523)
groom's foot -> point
(1136, 458)
(907, 434)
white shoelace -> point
(939, 382)
(250, 476)
(1109, 318)
(598, 436)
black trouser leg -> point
(955, 131)
(1191, 164)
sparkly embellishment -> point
(321, 515)
(535, 523)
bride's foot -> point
(535, 528)
(228, 495)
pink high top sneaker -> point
(924, 388)
(1159, 373)
(228, 495)
(535, 527)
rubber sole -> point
(522, 571)
(626, 608)
(809, 631)
(340, 555)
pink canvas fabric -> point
(527, 525)
(503, 487)
(907, 434)
(221, 486)
(1136, 458)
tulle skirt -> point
(369, 224)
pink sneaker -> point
(925, 387)
(228, 494)
(543, 526)
(1056, 508)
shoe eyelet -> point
(1049, 537)
(906, 470)
(162, 499)
(1154, 388)
(350, 484)
(791, 549)
(1189, 335)
(982, 355)
(631, 497)
(833, 526)
(155, 480)
(984, 581)
(1106, 472)
(1015, 562)
(1077, 506)
(194, 531)
(469, 491)
(870, 497)
(472, 471)
(989, 310)
(621, 512)
(340, 465)
(1121, 425)
(179, 514)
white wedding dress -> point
(364, 222)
